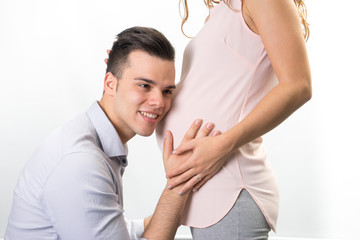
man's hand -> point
(168, 213)
(172, 162)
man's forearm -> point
(169, 210)
(167, 216)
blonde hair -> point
(301, 7)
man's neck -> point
(107, 108)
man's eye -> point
(147, 86)
(169, 92)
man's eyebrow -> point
(152, 82)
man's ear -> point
(110, 83)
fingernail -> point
(181, 193)
(209, 125)
(195, 190)
(170, 187)
(197, 122)
(174, 151)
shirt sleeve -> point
(135, 228)
(81, 201)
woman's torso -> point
(226, 72)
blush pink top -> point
(226, 72)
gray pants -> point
(245, 221)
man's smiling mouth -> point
(149, 115)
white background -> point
(51, 68)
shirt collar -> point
(109, 138)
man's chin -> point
(146, 133)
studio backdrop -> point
(52, 68)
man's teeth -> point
(149, 115)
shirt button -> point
(123, 161)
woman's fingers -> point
(196, 179)
(185, 177)
(185, 173)
(108, 53)
(200, 183)
(184, 167)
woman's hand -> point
(204, 156)
(172, 162)
(107, 59)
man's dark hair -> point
(145, 39)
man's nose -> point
(156, 99)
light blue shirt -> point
(71, 187)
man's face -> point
(143, 94)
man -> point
(71, 188)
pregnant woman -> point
(246, 71)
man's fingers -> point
(192, 131)
(187, 144)
(168, 145)
(216, 133)
(205, 131)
